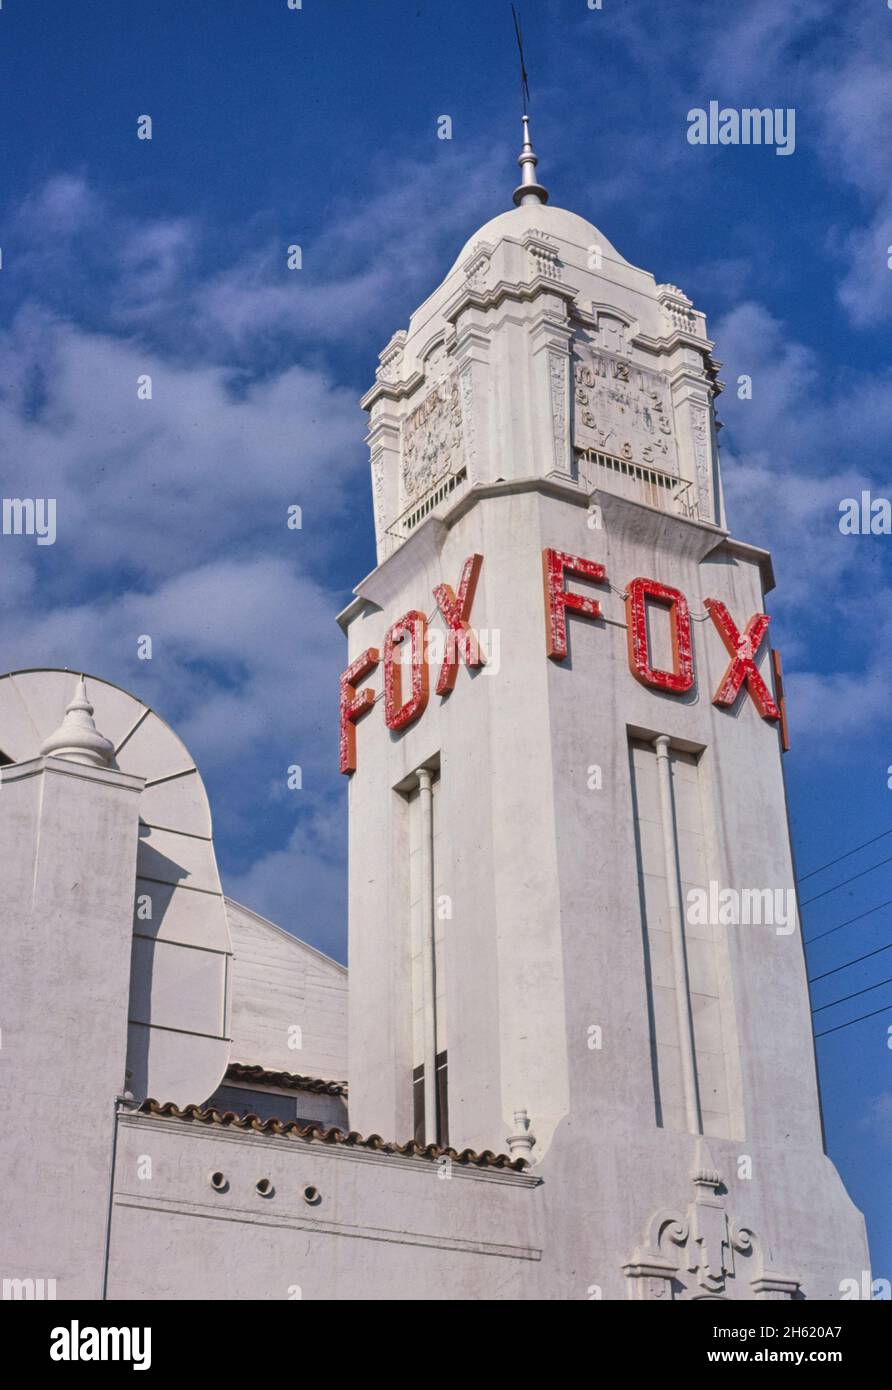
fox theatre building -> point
(562, 1064)
(560, 718)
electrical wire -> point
(848, 854)
(837, 886)
(830, 930)
(845, 997)
(857, 961)
(840, 1026)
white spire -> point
(528, 190)
(77, 737)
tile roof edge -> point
(292, 1081)
(333, 1136)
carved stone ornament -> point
(543, 253)
(702, 1252)
(432, 438)
(477, 266)
(678, 307)
(391, 359)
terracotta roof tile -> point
(292, 1081)
(319, 1134)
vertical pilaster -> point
(550, 377)
(428, 950)
(676, 930)
(383, 440)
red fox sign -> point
(402, 706)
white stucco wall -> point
(68, 840)
(284, 992)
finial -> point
(528, 190)
(520, 1144)
(77, 737)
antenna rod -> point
(524, 82)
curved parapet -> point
(179, 1014)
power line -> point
(830, 930)
(845, 881)
(848, 854)
(851, 1021)
(857, 961)
(845, 997)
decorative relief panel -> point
(623, 410)
(699, 415)
(557, 378)
(613, 332)
(378, 489)
(701, 1252)
(436, 363)
(467, 418)
(432, 438)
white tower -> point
(572, 920)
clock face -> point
(178, 1046)
(623, 410)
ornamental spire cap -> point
(529, 190)
(520, 1144)
(77, 737)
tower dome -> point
(543, 353)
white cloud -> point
(879, 1117)
(309, 870)
(172, 511)
(157, 485)
(789, 457)
(837, 705)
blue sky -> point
(272, 126)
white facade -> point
(526, 972)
